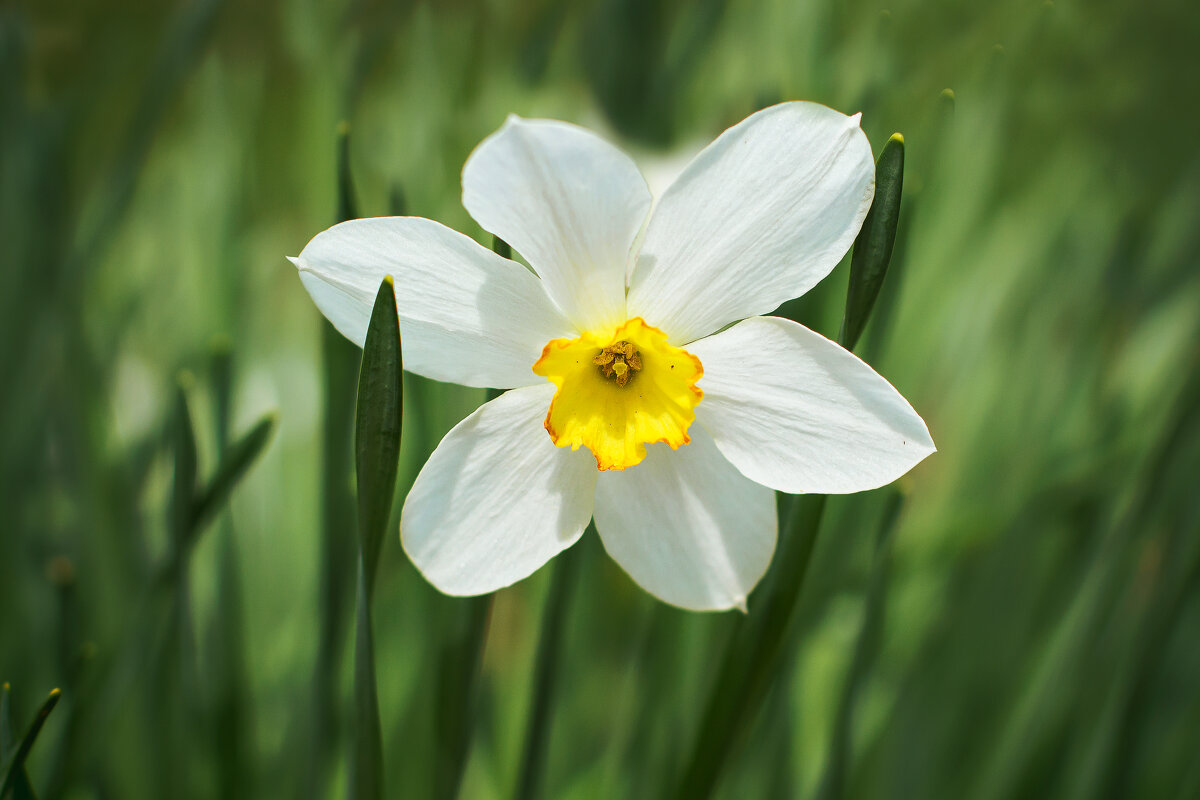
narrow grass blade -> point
(752, 653)
(873, 247)
(501, 247)
(366, 768)
(8, 745)
(183, 450)
(13, 769)
(460, 656)
(340, 359)
(8, 729)
(347, 206)
(833, 783)
(546, 671)
(459, 660)
(377, 459)
(231, 708)
(377, 426)
(174, 670)
(233, 467)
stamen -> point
(619, 362)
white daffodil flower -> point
(646, 390)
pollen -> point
(619, 362)
(619, 390)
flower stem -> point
(459, 660)
(752, 654)
(545, 672)
(834, 780)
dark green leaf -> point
(233, 467)
(183, 449)
(347, 206)
(753, 651)
(397, 202)
(377, 426)
(459, 660)
(13, 769)
(873, 247)
(8, 746)
(546, 671)
(501, 247)
(366, 772)
(338, 548)
(227, 670)
(377, 460)
(833, 784)
(341, 359)
(8, 733)
(222, 379)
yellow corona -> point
(619, 390)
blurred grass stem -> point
(547, 666)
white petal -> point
(759, 217)
(796, 412)
(687, 526)
(568, 201)
(497, 499)
(466, 315)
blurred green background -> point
(1035, 621)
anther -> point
(619, 361)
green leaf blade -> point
(753, 652)
(13, 770)
(873, 247)
(234, 465)
(378, 426)
(377, 432)
(182, 436)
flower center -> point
(619, 362)
(618, 390)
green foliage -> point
(377, 429)
(13, 753)
(873, 248)
(1024, 630)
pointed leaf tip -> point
(378, 424)
(12, 772)
(873, 247)
(234, 465)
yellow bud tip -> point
(388, 280)
(55, 692)
(948, 93)
(898, 138)
(6, 686)
(343, 129)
